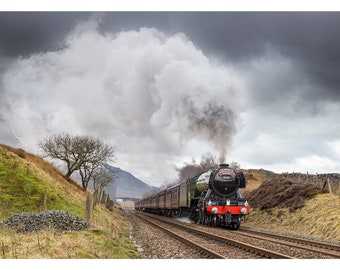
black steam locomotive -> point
(211, 198)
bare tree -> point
(96, 154)
(101, 178)
(80, 153)
(208, 161)
(62, 147)
(235, 166)
(187, 171)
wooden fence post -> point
(102, 197)
(88, 208)
(329, 186)
(45, 201)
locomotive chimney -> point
(224, 165)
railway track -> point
(214, 246)
(260, 244)
(327, 249)
(184, 240)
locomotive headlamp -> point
(243, 211)
(214, 210)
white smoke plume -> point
(147, 93)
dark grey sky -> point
(288, 64)
(310, 38)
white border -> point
(90, 264)
(169, 5)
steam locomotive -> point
(212, 198)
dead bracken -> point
(282, 194)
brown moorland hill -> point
(282, 193)
(283, 205)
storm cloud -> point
(259, 88)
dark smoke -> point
(214, 123)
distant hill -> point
(127, 186)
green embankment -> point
(30, 184)
(23, 188)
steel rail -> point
(235, 243)
(331, 250)
(186, 241)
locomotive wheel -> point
(198, 218)
(214, 221)
(203, 218)
(236, 226)
(205, 221)
(209, 220)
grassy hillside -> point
(319, 218)
(30, 184)
(286, 206)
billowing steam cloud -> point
(145, 92)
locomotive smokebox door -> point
(223, 181)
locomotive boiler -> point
(211, 198)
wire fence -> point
(329, 181)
